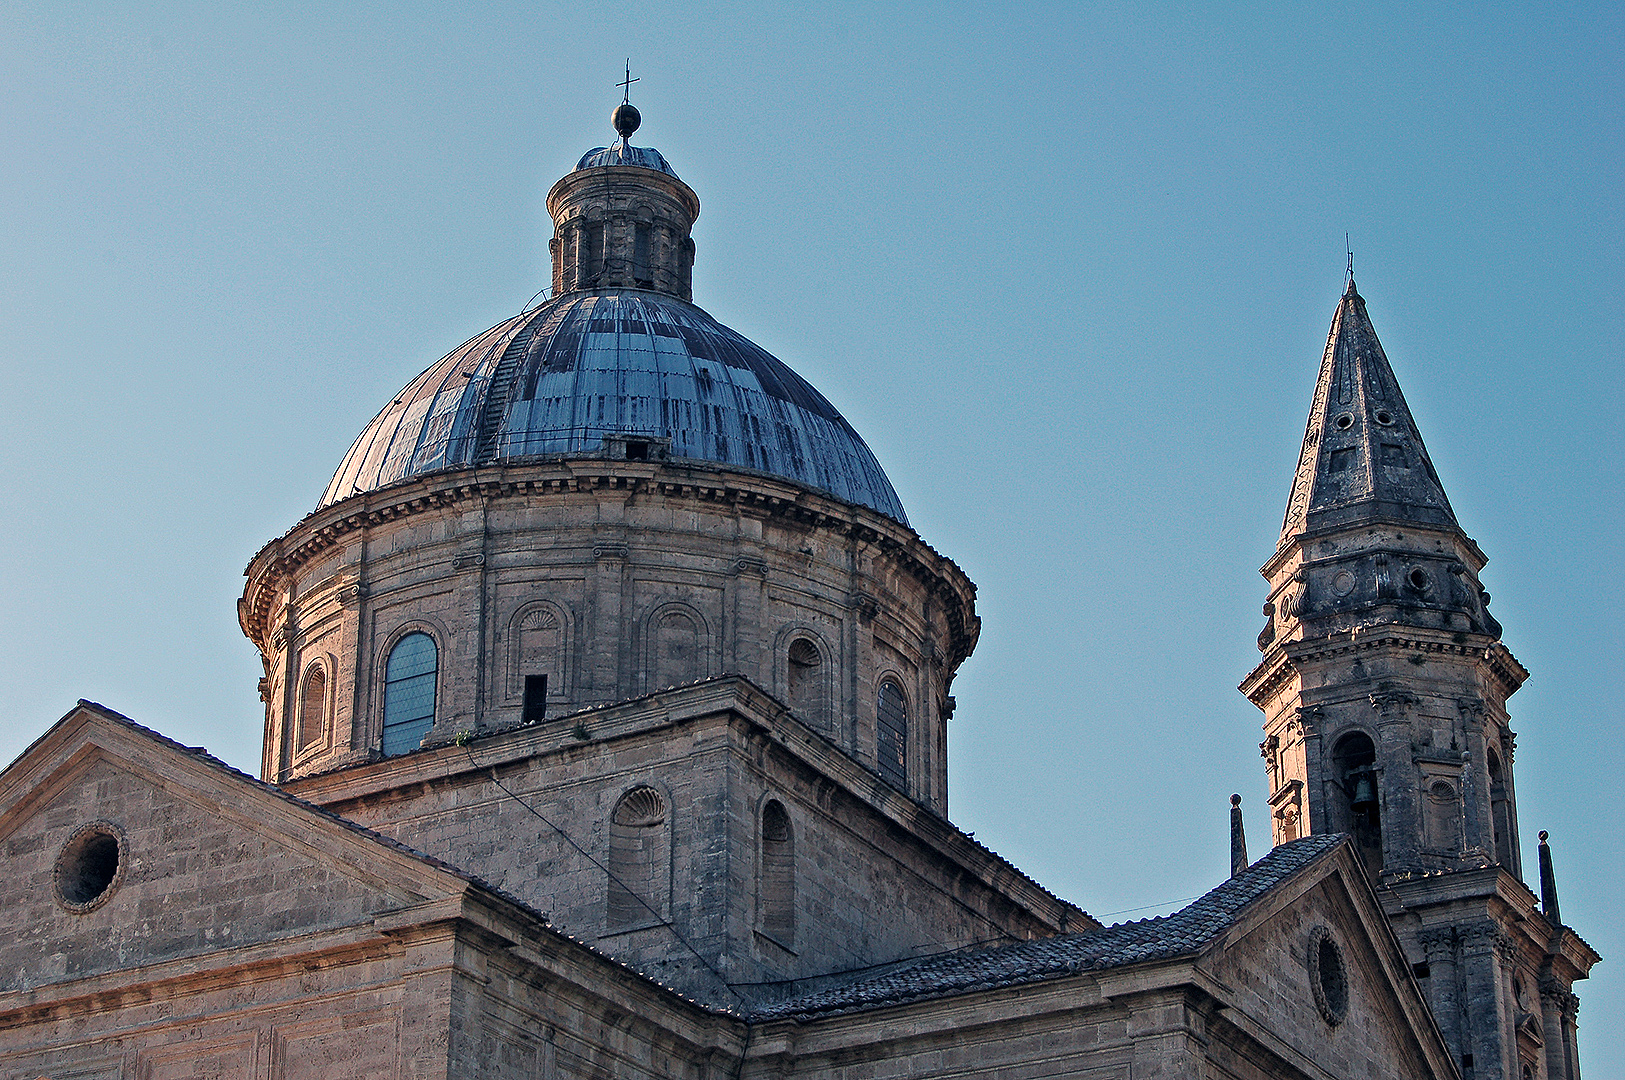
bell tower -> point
(1384, 687)
(1383, 682)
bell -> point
(1365, 794)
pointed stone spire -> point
(1238, 838)
(1362, 458)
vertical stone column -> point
(1490, 1037)
(284, 656)
(745, 634)
(1559, 1010)
(610, 638)
(1477, 817)
(1396, 780)
(350, 733)
(1444, 984)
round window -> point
(90, 866)
(1327, 975)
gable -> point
(1314, 973)
(117, 859)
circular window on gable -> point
(90, 866)
(1327, 975)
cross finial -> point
(1349, 280)
(626, 83)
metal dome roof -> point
(557, 379)
(646, 157)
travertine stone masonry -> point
(576, 570)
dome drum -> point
(612, 579)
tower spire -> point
(1362, 458)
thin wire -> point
(631, 891)
(1148, 907)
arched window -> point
(891, 734)
(1354, 761)
(409, 688)
(637, 858)
(312, 708)
(806, 682)
(1501, 813)
(778, 900)
(676, 648)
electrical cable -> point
(676, 933)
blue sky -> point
(1068, 270)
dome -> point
(557, 379)
(646, 157)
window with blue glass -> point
(409, 684)
(891, 730)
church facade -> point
(606, 695)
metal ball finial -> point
(1235, 800)
(626, 119)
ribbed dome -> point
(646, 157)
(555, 380)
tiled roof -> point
(1184, 933)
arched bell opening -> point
(1355, 770)
(1501, 813)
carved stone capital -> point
(1559, 996)
(750, 564)
(1438, 944)
(610, 549)
(468, 560)
(865, 605)
(351, 594)
(279, 638)
(1486, 936)
(1392, 703)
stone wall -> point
(614, 579)
(868, 886)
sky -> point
(1069, 270)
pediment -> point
(1313, 970)
(124, 849)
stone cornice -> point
(1284, 657)
(1505, 899)
(327, 528)
(1301, 542)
